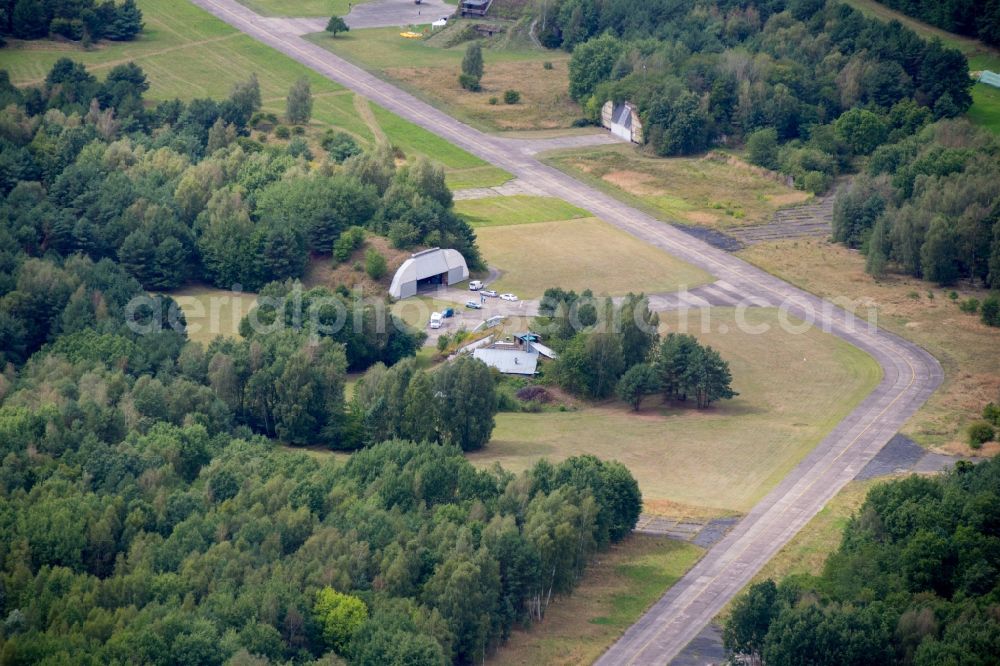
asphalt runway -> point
(910, 374)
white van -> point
(475, 285)
(436, 319)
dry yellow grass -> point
(545, 101)
(793, 389)
(615, 590)
(351, 273)
(710, 190)
(580, 254)
(968, 350)
(212, 312)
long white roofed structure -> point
(434, 267)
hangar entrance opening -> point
(427, 270)
(432, 282)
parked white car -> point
(475, 285)
(436, 319)
(475, 305)
(508, 297)
(489, 292)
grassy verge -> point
(985, 109)
(968, 350)
(485, 176)
(212, 312)
(580, 254)
(614, 592)
(520, 209)
(429, 69)
(794, 388)
(187, 53)
(692, 190)
(300, 7)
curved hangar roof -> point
(428, 264)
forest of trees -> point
(928, 206)
(819, 79)
(179, 192)
(78, 20)
(179, 544)
(607, 349)
(914, 581)
(974, 18)
(150, 509)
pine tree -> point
(127, 22)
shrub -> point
(263, 121)
(348, 241)
(442, 343)
(298, 130)
(494, 101)
(375, 264)
(339, 145)
(989, 311)
(534, 394)
(991, 413)
(953, 295)
(282, 132)
(980, 432)
(511, 97)
(816, 182)
(547, 65)
(299, 148)
(469, 82)
(969, 305)
(762, 148)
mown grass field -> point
(969, 351)
(580, 254)
(793, 389)
(300, 7)
(429, 69)
(519, 209)
(213, 312)
(985, 109)
(618, 586)
(693, 190)
(187, 53)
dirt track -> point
(910, 373)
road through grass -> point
(713, 191)
(968, 350)
(187, 53)
(429, 69)
(615, 590)
(794, 387)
